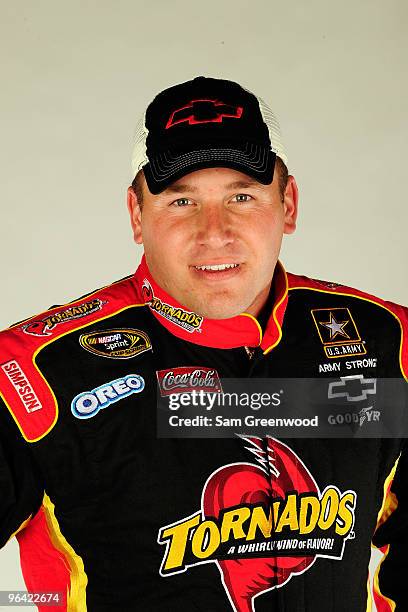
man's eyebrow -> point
(184, 187)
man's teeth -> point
(217, 267)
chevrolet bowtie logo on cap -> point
(204, 111)
(206, 123)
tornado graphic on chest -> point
(262, 523)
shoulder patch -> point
(25, 391)
(305, 282)
(400, 313)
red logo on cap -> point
(204, 111)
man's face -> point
(214, 217)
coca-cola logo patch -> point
(188, 378)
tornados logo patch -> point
(190, 321)
(261, 524)
(44, 327)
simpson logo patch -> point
(261, 524)
(338, 332)
(116, 343)
(21, 384)
(187, 379)
(87, 404)
(43, 327)
(190, 321)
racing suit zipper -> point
(250, 351)
(255, 356)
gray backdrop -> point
(76, 76)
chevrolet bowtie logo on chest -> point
(354, 388)
(204, 111)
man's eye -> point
(181, 202)
(243, 197)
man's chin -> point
(218, 311)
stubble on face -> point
(212, 227)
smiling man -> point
(112, 510)
(224, 223)
(227, 241)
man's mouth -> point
(217, 267)
(218, 271)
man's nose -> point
(214, 227)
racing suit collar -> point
(241, 330)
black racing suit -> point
(116, 518)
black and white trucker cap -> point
(206, 123)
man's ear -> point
(290, 203)
(135, 215)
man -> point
(116, 518)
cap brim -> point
(256, 160)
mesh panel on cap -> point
(139, 157)
(274, 130)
